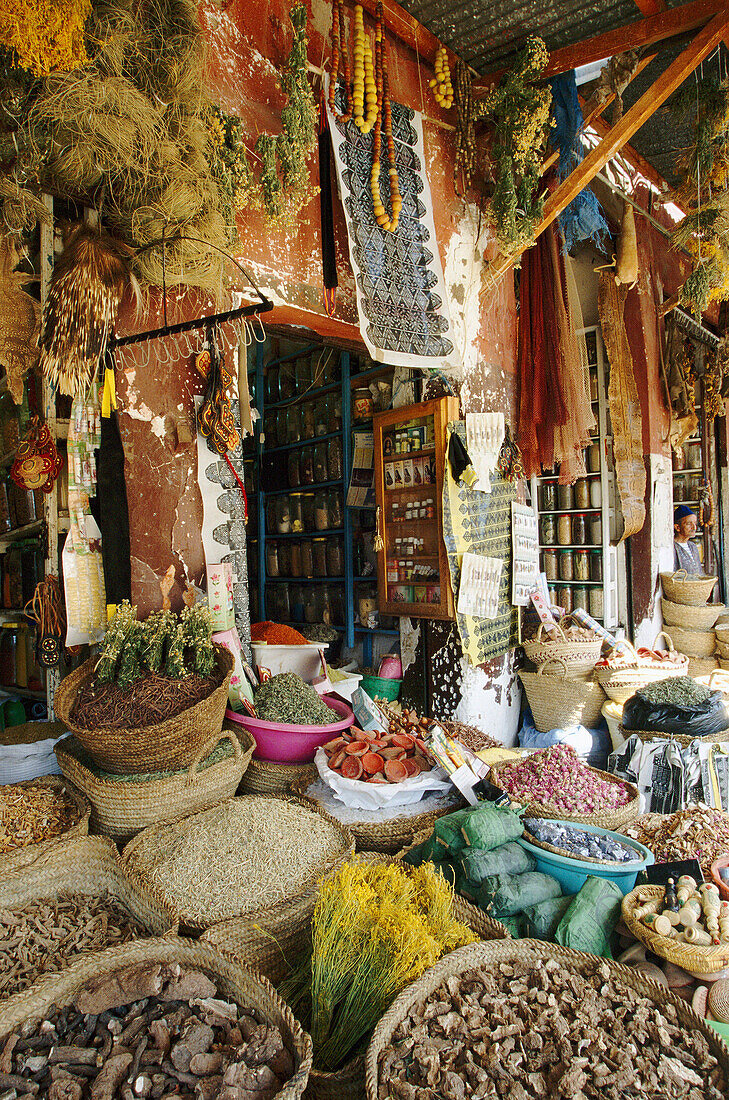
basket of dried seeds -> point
(35, 815)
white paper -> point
(360, 795)
(524, 553)
(484, 437)
(478, 591)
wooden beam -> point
(617, 136)
(641, 33)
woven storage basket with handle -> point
(557, 701)
(614, 819)
(695, 959)
(692, 589)
(19, 857)
(489, 957)
(120, 808)
(266, 777)
(622, 682)
(578, 654)
(249, 991)
(694, 643)
(690, 617)
(162, 746)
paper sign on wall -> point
(524, 553)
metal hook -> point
(257, 317)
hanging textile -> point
(677, 363)
(625, 411)
(401, 296)
(110, 507)
(583, 220)
(326, 213)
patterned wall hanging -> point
(401, 295)
(480, 523)
(37, 462)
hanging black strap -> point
(329, 262)
(110, 509)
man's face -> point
(686, 527)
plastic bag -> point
(514, 925)
(504, 895)
(426, 852)
(590, 920)
(488, 826)
(447, 832)
(541, 921)
(357, 795)
(508, 859)
(711, 716)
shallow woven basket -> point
(690, 617)
(163, 746)
(694, 643)
(695, 959)
(703, 666)
(559, 701)
(682, 739)
(607, 819)
(249, 991)
(19, 857)
(691, 589)
(722, 649)
(122, 808)
(344, 849)
(265, 777)
(722, 632)
(578, 654)
(620, 683)
(488, 956)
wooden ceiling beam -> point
(617, 136)
(641, 33)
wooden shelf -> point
(23, 532)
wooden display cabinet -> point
(410, 456)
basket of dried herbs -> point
(35, 815)
(152, 698)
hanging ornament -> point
(340, 65)
(509, 463)
(383, 121)
(37, 462)
(217, 423)
(441, 82)
(364, 92)
(47, 612)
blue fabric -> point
(583, 220)
(593, 746)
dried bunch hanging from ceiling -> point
(42, 36)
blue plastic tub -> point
(572, 873)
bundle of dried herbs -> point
(679, 691)
(286, 698)
(31, 814)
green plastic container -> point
(381, 687)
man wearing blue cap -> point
(685, 552)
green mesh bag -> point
(488, 826)
(425, 852)
(590, 920)
(509, 859)
(514, 925)
(447, 833)
(504, 895)
(540, 921)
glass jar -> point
(582, 493)
(271, 516)
(334, 459)
(302, 374)
(283, 610)
(564, 598)
(564, 529)
(593, 386)
(595, 493)
(306, 466)
(295, 564)
(580, 598)
(596, 603)
(566, 565)
(579, 529)
(4, 509)
(550, 564)
(321, 416)
(679, 458)
(293, 463)
(297, 603)
(336, 600)
(293, 424)
(321, 472)
(362, 405)
(321, 511)
(320, 557)
(287, 380)
(335, 412)
(596, 530)
(272, 392)
(335, 556)
(596, 565)
(283, 515)
(693, 456)
(679, 489)
(547, 530)
(284, 558)
(307, 558)
(336, 513)
(552, 593)
(593, 458)
(548, 493)
(297, 513)
(311, 604)
(565, 497)
(272, 559)
(582, 565)
(308, 420)
(326, 604)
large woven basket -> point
(691, 589)
(266, 777)
(488, 956)
(578, 654)
(162, 746)
(249, 991)
(343, 849)
(682, 739)
(615, 819)
(694, 643)
(19, 857)
(88, 865)
(697, 960)
(704, 666)
(120, 808)
(690, 617)
(558, 701)
(622, 682)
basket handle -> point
(558, 630)
(680, 575)
(208, 747)
(720, 673)
(666, 635)
(553, 661)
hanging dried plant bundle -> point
(613, 80)
(19, 317)
(89, 280)
(43, 35)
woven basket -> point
(19, 857)
(264, 777)
(249, 991)
(703, 666)
(344, 849)
(690, 589)
(682, 739)
(578, 654)
(122, 808)
(695, 959)
(690, 617)
(722, 632)
(694, 643)
(722, 649)
(488, 956)
(163, 746)
(620, 683)
(615, 819)
(557, 701)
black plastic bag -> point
(711, 716)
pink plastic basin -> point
(285, 744)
